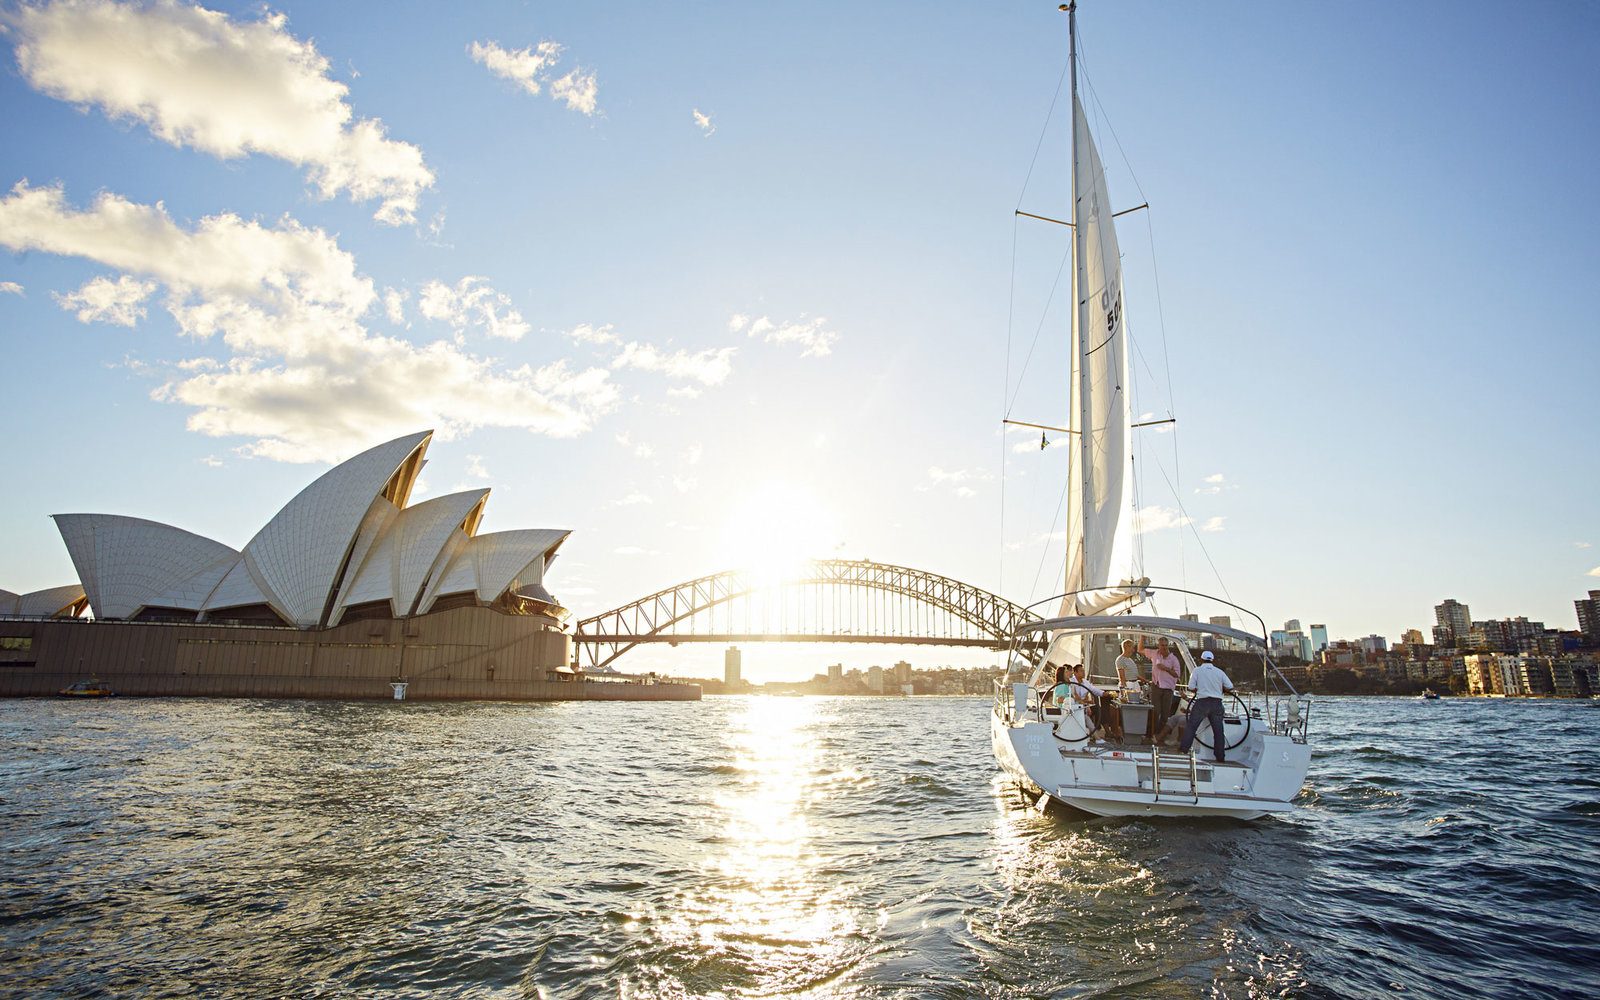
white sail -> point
(1100, 515)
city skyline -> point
(741, 288)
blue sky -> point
(688, 280)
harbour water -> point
(755, 847)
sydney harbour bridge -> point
(824, 600)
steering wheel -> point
(1244, 713)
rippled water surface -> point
(752, 847)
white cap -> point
(1206, 656)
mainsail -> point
(1100, 514)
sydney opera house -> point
(347, 591)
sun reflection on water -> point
(760, 918)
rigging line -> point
(1005, 387)
(1045, 549)
(1166, 361)
(1043, 131)
(1202, 542)
(1043, 317)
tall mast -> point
(1085, 450)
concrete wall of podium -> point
(470, 653)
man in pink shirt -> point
(1164, 670)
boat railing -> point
(1290, 710)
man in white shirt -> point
(1208, 682)
(1127, 666)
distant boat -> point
(1050, 748)
(1429, 694)
(87, 689)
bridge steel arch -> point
(829, 600)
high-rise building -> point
(902, 672)
(1589, 615)
(1220, 643)
(1453, 620)
(731, 668)
(1372, 645)
(875, 680)
(1292, 625)
(1414, 638)
(1319, 638)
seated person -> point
(1103, 706)
(1171, 730)
(1058, 693)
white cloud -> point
(305, 379)
(394, 305)
(1158, 518)
(1594, 572)
(524, 67)
(1580, 545)
(955, 479)
(684, 484)
(1213, 524)
(684, 391)
(10, 288)
(584, 333)
(633, 498)
(472, 303)
(812, 335)
(709, 367)
(693, 454)
(579, 90)
(703, 122)
(101, 299)
(529, 69)
(197, 78)
(1216, 483)
(475, 467)
(634, 550)
(939, 476)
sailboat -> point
(1055, 750)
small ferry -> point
(87, 689)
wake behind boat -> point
(1050, 744)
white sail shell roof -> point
(238, 589)
(347, 539)
(40, 603)
(410, 550)
(491, 564)
(125, 562)
(374, 529)
(298, 555)
(191, 594)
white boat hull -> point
(1264, 775)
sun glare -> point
(772, 531)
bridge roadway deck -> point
(735, 637)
